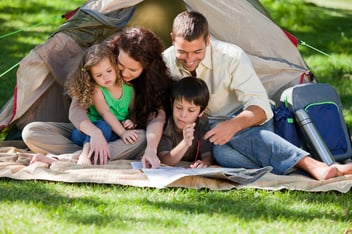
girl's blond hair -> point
(81, 85)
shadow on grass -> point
(251, 205)
(130, 203)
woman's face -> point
(130, 69)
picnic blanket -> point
(14, 164)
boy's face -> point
(184, 113)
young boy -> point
(183, 136)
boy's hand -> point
(199, 164)
(188, 133)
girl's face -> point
(104, 73)
(184, 112)
(130, 69)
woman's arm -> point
(154, 132)
(98, 145)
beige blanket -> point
(14, 163)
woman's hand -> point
(150, 159)
(99, 149)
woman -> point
(141, 64)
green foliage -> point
(326, 29)
(24, 25)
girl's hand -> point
(129, 136)
(128, 124)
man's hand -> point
(221, 133)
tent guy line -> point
(10, 69)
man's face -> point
(190, 53)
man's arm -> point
(224, 131)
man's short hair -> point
(190, 25)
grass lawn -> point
(47, 207)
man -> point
(242, 138)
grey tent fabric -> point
(276, 60)
(39, 92)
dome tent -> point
(38, 95)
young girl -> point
(99, 89)
(183, 137)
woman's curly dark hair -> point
(153, 85)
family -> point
(131, 99)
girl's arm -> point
(129, 124)
(128, 136)
(154, 132)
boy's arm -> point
(174, 156)
(207, 158)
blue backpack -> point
(323, 105)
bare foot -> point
(84, 160)
(84, 157)
(325, 173)
(42, 158)
(344, 169)
(317, 169)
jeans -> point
(258, 147)
(80, 138)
